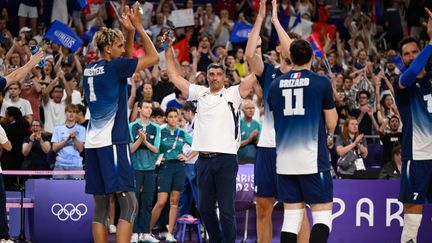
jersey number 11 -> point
(289, 109)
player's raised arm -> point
(253, 46)
(408, 78)
(173, 73)
(284, 39)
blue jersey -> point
(297, 100)
(105, 88)
(267, 135)
(415, 107)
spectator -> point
(205, 54)
(30, 91)
(36, 147)
(59, 11)
(250, 130)
(157, 27)
(305, 7)
(240, 64)
(364, 114)
(71, 82)
(393, 24)
(48, 73)
(68, 142)
(81, 116)
(23, 105)
(53, 105)
(351, 141)
(179, 100)
(29, 9)
(392, 169)
(386, 108)
(222, 29)
(95, 13)
(166, 7)
(148, 12)
(162, 86)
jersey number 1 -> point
(92, 95)
(289, 109)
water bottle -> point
(34, 50)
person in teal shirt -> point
(172, 173)
(145, 136)
(250, 130)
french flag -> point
(295, 75)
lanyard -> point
(175, 141)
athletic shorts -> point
(109, 169)
(171, 176)
(416, 181)
(311, 189)
(27, 11)
(265, 177)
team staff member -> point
(303, 109)
(190, 192)
(265, 165)
(217, 138)
(145, 137)
(172, 173)
(413, 93)
(108, 166)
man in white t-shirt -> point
(53, 104)
(4, 229)
(216, 137)
(15, 100)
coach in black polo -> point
(216, 137)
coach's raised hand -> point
(428, 25)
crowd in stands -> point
(45, 114)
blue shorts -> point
(416, 184)
(171, 176)
(311, 189)
(265, 178)
(108, 170)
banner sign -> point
(62, 212)
(363, 210)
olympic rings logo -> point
(69, 211)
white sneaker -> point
(170, 238)
(112, 229)
(163, 235)
(148, 238)
(134, 238)
(6, 241)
